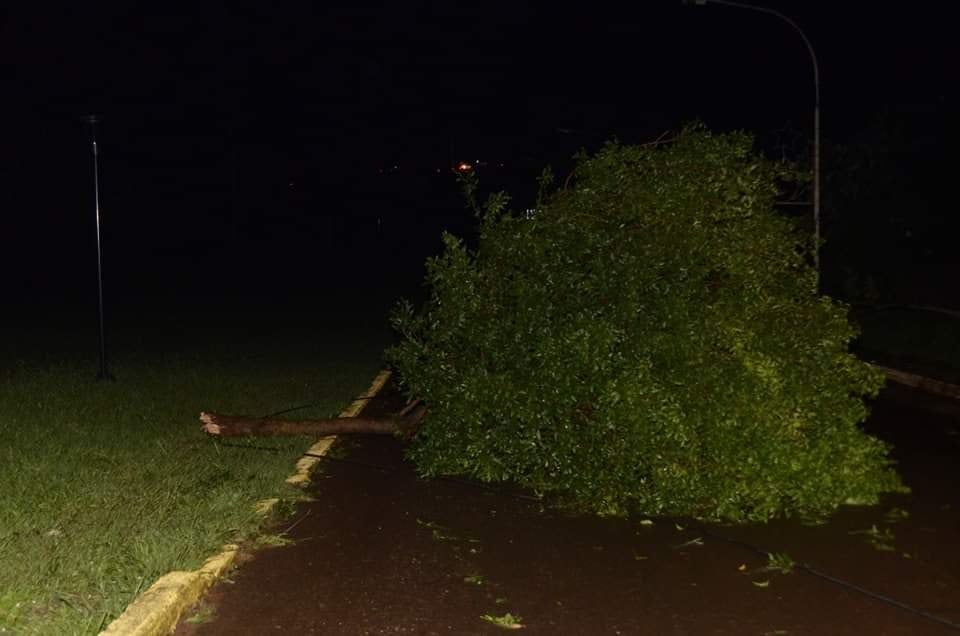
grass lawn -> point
(108, 485)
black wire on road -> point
(308, 405)
(706, 532)
(832, 579)
(752, 548)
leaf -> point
(896, 514)
(507, 621)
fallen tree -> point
(403, 424)
(649, 341)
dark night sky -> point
(300, 75)
(203, 108)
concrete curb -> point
(157, 611)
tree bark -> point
(920, 382)
(404, 424)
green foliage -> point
(650, 342)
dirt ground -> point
(380, 551)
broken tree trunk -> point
(404, 424)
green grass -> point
(108, 485)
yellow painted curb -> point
(157, 611)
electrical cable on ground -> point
(309, 404)
(765, 553)
(836, 581)
(530, 498)
(752, 548)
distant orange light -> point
(464, 167)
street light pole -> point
(816, 117)
(103, 373)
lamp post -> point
(816, 117)
(103, 373)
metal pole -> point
(103, 373)
(816, 121)
(816, 180)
